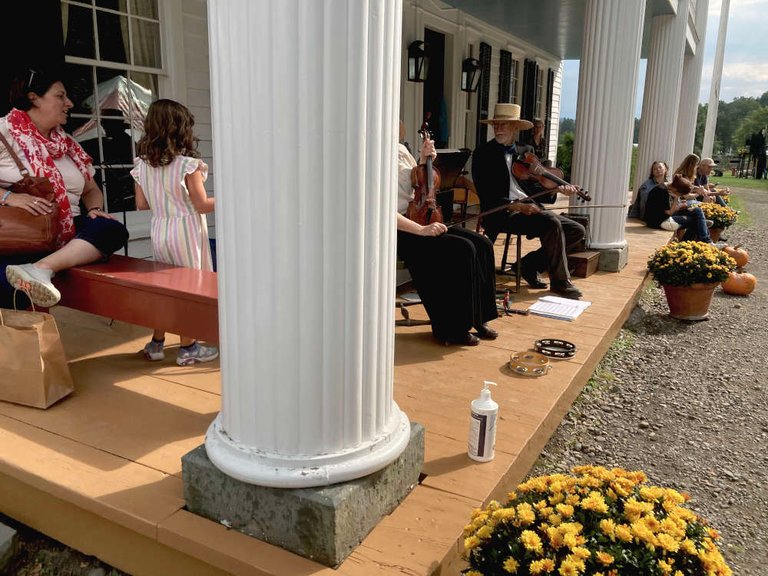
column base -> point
(323, 524)
(613, 259)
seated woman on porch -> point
(33, 128)
(689, 169)
(452, 269)
(657, 176)
(672, 205)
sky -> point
(745, 62)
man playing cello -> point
(496, 186)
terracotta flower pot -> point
(689, 302)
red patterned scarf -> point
(40, 152)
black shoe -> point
(532, 278)
(566, 290)
(465, 340)
(485, 332)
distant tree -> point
(753, 123)
(729, 118)
(565, 154)
(566, 125)
(636, 132)
(764, 99)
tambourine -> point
(555, 348)
(529, 364)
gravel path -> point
(687, 403)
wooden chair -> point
(506, 268)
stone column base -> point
(613, 259)
(323, 524)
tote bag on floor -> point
(34, 369)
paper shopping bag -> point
(33, 367)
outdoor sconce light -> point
(418, 62)
(470, 74)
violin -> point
(425, 179)
(528, 167)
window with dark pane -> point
(79, 37)
(110, 94)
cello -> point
(425, 179)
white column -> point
(661, 97)
(717, 74)
(305, 110)
(605, 112)
(689, 89)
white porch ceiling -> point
(556, 26)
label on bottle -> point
(482, 434)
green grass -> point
(734, 182)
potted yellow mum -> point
(721, 216)
(689, 272)
(595, 522)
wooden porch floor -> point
(101, 470)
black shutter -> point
(548, 111)
(483, 92)
(528, 104)
(505, 76)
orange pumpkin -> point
(737, 253)
(739, 283)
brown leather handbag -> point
(20, 231)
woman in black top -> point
(674, 200)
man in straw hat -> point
(496, 186)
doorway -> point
(434, 104)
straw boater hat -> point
(503, 112)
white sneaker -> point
(154, 350)
(196, 353)
(41, 290)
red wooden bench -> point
(179, 300)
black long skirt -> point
(455, 277)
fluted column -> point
(717, 75)
(661, 95)
(305, 110)
(604, 119)
(689, 89)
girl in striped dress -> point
(169, 179)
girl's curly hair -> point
(168, 132)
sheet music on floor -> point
(558, 308)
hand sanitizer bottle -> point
(482, 425)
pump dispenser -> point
(482, 425)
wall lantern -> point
(470, 74)
(418, 62)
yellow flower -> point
(484, 533)
(565, 510)
(668, 542)
(594, 502)
(623, 533)
(511, 565)
(473, 573)
(543, 566)
(605, 558)
(525, 514)
(608, 527)
(568, 568)
(581, 552)
(531, 541)
(471, 543)
(665, 567)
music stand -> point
(451, 164)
